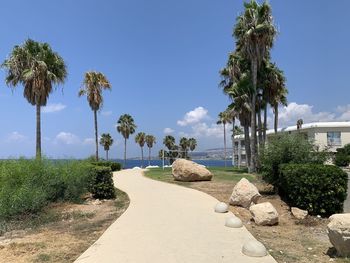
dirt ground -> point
(66, 235)
(291, 240)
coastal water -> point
(138, 163)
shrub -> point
(287, 148)
(101, 183)
(113, 165)
(341, 159)
(26, 186)
(320, 189)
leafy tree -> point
(150, 140)
(93, 85)
(37, 68)
(126, 126)
(140, 139)
(106, 141)
(254, 32)
(224, 118)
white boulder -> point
(264, 214)
(244, 193)
(339, 233)
(188, 171)
(299, 213)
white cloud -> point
(67, 138)
(107, 113)
(89, 141)
(194, 116)
(16, 137)
(168, 131)
(54, 107)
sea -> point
(138, 163)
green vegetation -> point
(113, 165)
(27, 186)
(140, 139)
(101, 182)
(93, 84)
(320, 189)
(342, 157)
(287, 148)
(38, 68)
(220, 174)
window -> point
(333, 139)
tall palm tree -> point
(254, 32)
(106, 141)
(150, 140)
(224, 118)
(169, 142)
(140, 139)
(300, 123)
(184, 144)
(126, 126)
(93, 84)
(37, 68)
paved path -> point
(166, 223)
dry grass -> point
(68, 233)
(290, 241)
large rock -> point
(339, 233)
(264, 214)
(244, 193)
(188, 171)
(299, 213)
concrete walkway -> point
(167, 223)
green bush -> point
(341, 159)
(287, 148)
(26, 186)
(320, 189)
(101, 182)
(113, 165)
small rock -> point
(264, 214)
(309, 248)
(254, 248)
(299, 213)
(221, 207)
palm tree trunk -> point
(38, 132)
(225, 143)
(96, 134)
(260, 129)
(149, 155)
(124, 152)
(233, 142)
(265, 124)
(247, 146)
(107, 155)
(142, 156)
(276, 117)
(253, 118)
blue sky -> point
(162, 58)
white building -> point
(330, 135)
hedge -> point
(101, 182)
(319, 189)
(113, 165)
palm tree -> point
(224, 118)
(37, 68)
(192, 144)
(93, 85)
(184, 146)
(169, 142)
(106, 141)
(150, 140)
(300, 123)
(140, 139)
(126, 126)
(254, 32)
